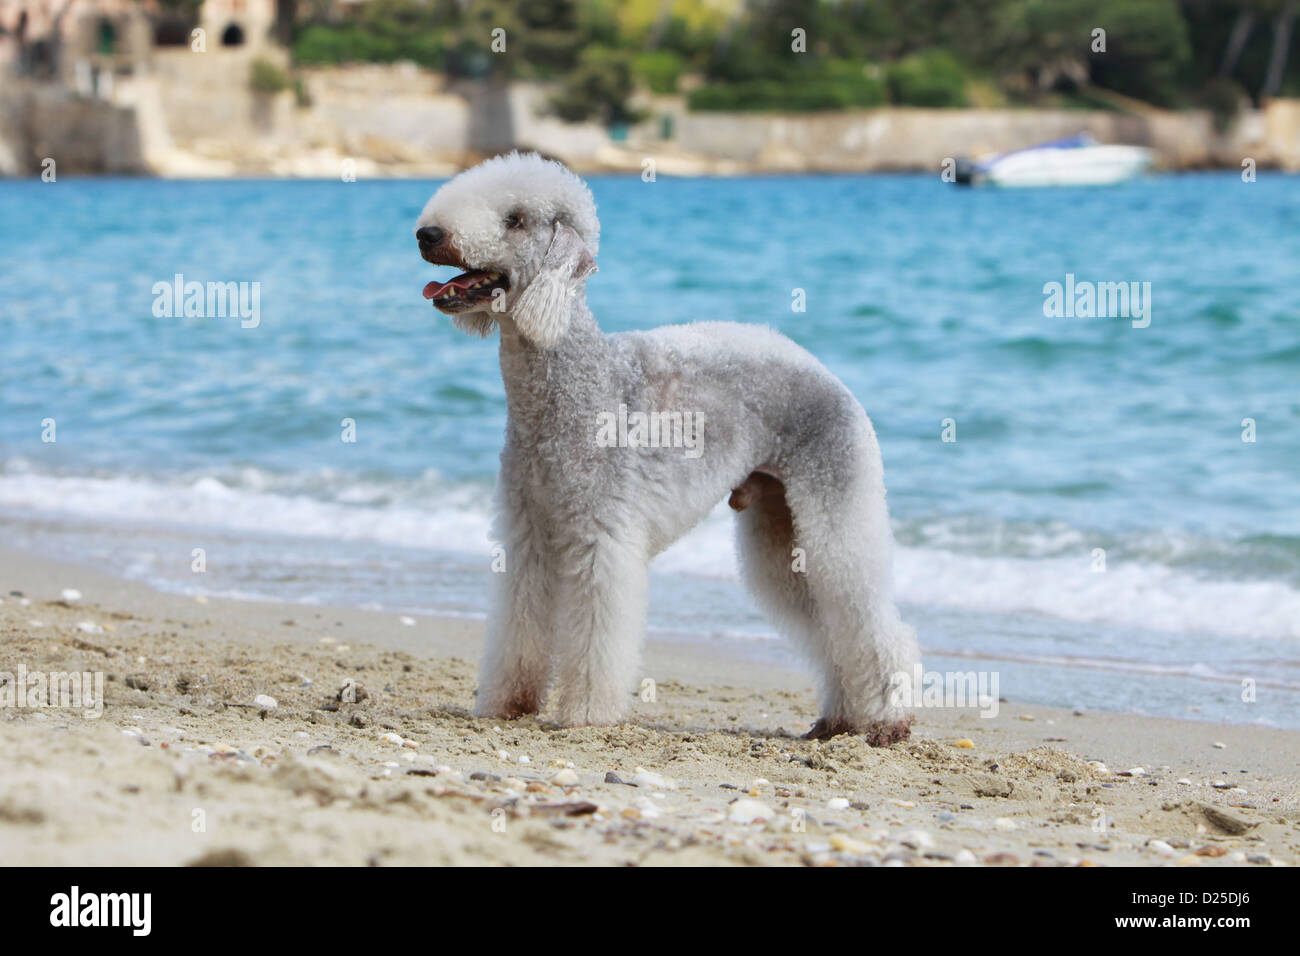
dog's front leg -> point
(516, 664)
(602, 623)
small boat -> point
(1075, 161)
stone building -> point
(71, 40)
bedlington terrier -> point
(617, 445)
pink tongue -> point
(433, 288)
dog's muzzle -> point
(471, 288)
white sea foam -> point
(1055, 579)
(451, 518)
(1149, 596)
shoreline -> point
(369, 122)
(404, 775)
(596, 171)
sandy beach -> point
(369, 755)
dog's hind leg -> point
(602, 624)
(516, 664)
(817, 559)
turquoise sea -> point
(1072, 434)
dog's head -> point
(524, 232)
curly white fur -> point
(580, 518)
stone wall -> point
(203, 119)
(908, 139)
(82, 135)
(194, 114)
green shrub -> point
(265, 77)
(835, 85)
(598, 88)
(932, 78)
(1223, 97)
(334, 45)
(659, 70)
(301, 95)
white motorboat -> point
(1077, 161)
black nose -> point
(429, 235)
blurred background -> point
(292, 145)
(294, 87)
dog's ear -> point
(542, 311)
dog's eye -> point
(514, 220)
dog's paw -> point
(881, 733)
(828, 727)
(885, 732)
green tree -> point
(597, 88)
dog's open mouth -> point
(466, 290)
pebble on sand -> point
(746, 810)
(837, 803)
(1227, 820)
(846, 844)
(965, 743)
(649, 779)
(70, 595)
(265, 702)
(407, 621)
(565, 778)
(917, 840)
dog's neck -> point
(530, 372)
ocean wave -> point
(422, 512)
(1169, 581)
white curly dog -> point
(617, 445)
